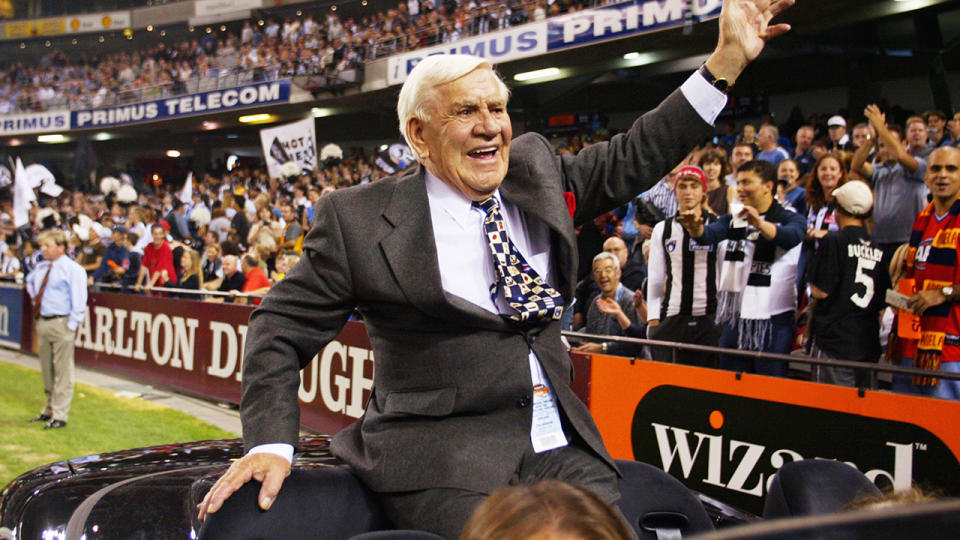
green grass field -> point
(99, 422)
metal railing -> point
(872, 369)
(129, 289)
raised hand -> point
(744, 30)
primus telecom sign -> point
(564, 32)
(727, 436)
(241, 97)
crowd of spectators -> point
(809, 163)
(238, 231)
(317, 44)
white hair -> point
(416, 94)
(605, 255)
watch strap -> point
(719, 83)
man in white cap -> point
(847, 283)
(837, 128)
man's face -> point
(917, 134)
(606, 272)
(466, 140)
(740, 155)
(860, 135)
(766, 139)
(159, 235)
(229, 266)
(942, 176)
(287, 212)
(689, 193)
(804, 137)
(752, 190)
(936, 123)
(617, 247)
(51, 250)
(117, 238)
(749, 132)
(837, 132)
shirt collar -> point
(447, 199)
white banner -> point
(22, 124)
(502, 46)
(218, 7)
(294, 144)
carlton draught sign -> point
(197, 347)
(727, 436)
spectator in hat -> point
(682, 288)
(116, 259)
(847, 282)
(839, 140)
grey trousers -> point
(445, 511)
(55, 349)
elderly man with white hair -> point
(461, 269)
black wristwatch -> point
(719, 83)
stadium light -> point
(252, 118)
(320, 112)
(173, 153)
(51, 139)
(103, 136)
(537, 74)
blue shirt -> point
(66, 291)
(119, 255)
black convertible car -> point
(152, 493)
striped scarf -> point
(744, 297)
(939, 268)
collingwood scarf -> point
(938, 268)
(744, 297)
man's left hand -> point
(919, 302)
(744, 30)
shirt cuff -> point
(283, 450)
(703, 97)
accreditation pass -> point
(546, 432)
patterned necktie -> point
(522, 288)
(38, 300)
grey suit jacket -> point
(451, 397)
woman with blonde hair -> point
(191, 274)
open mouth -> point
(483, 153)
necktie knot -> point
(488, 205)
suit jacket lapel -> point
(544, 201)
(410, 250)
